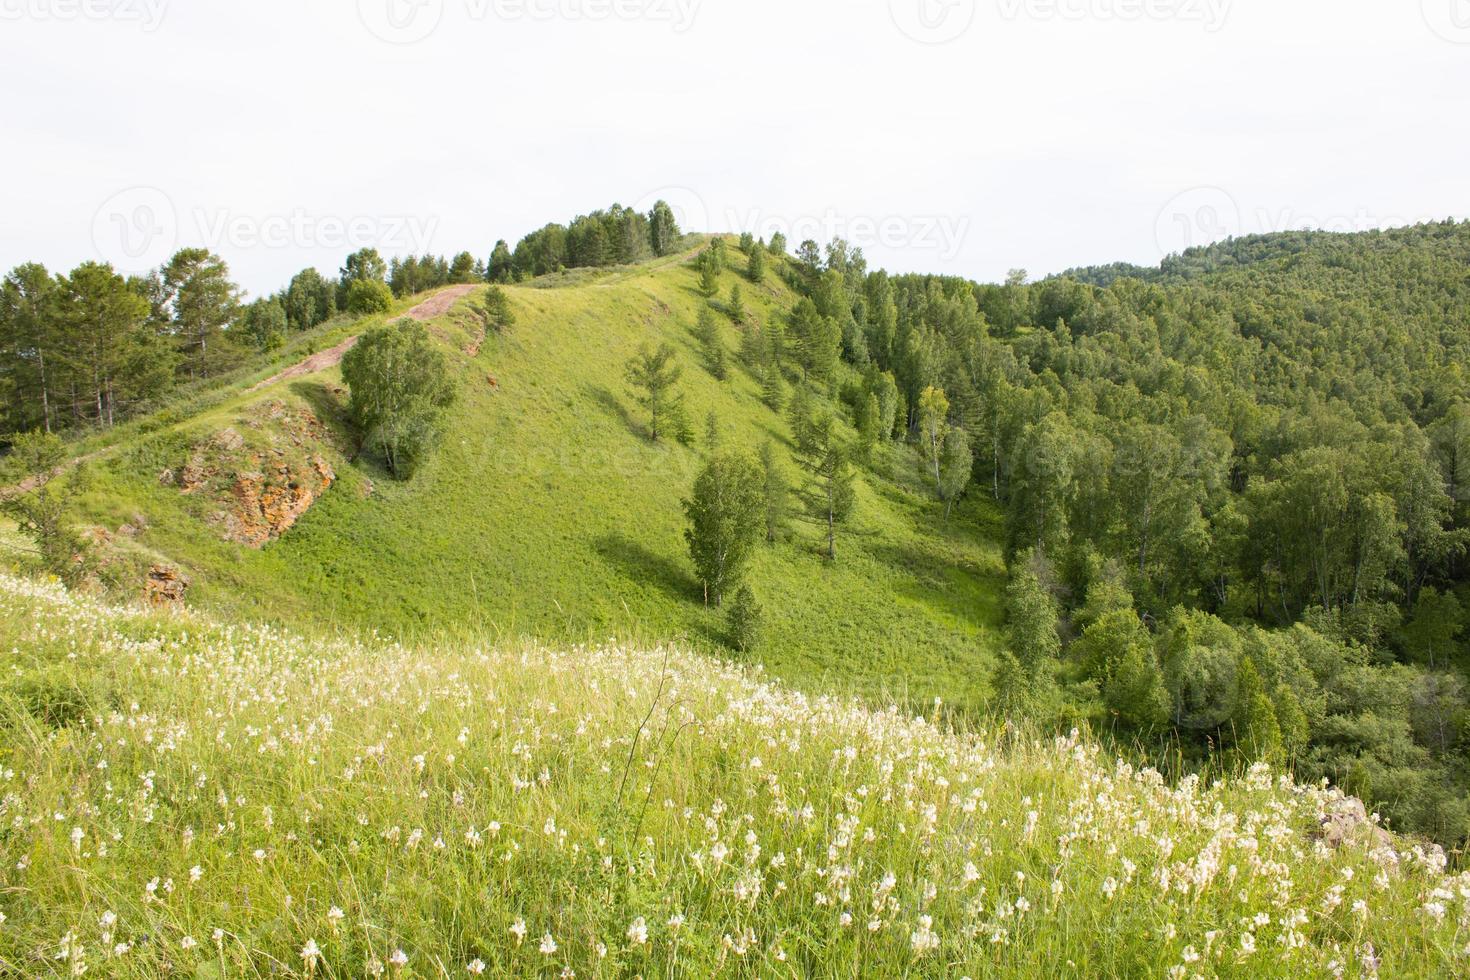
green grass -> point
(187, 799)
(546, 513)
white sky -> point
(1041, 134)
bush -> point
(400, 388)
(368, 296)
(744, 620)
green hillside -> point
(547, 512)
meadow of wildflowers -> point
(180, 797)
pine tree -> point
(654, 375)
(30, 343)
(707, 331)
(800, 414)
(107, 345)
(712, 433)
(756, 270)
(755, 350)
(773, 388)
(495, 308)
(737, 304)
(815, 341)
(709, 273)
(44, 512)
(203, 301)
(831, 489)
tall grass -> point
(180, 797)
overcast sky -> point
(959, 136)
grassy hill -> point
(547, 513)
(182, 798)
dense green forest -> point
(1236, 494)
(1236, 487)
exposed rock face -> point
(165, 587)
(265, 482)
(268, 503)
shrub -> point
(744, 620)
(368, 296)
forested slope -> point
(1221, 506)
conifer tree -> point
(773, 387)
(737, 304)
(756, 270)
(707, 331)
(709, 274)
(654, 374)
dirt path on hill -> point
(435, 306)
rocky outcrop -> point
(269, 501)
(165, 587)
(1348, 820)
(263, 479)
